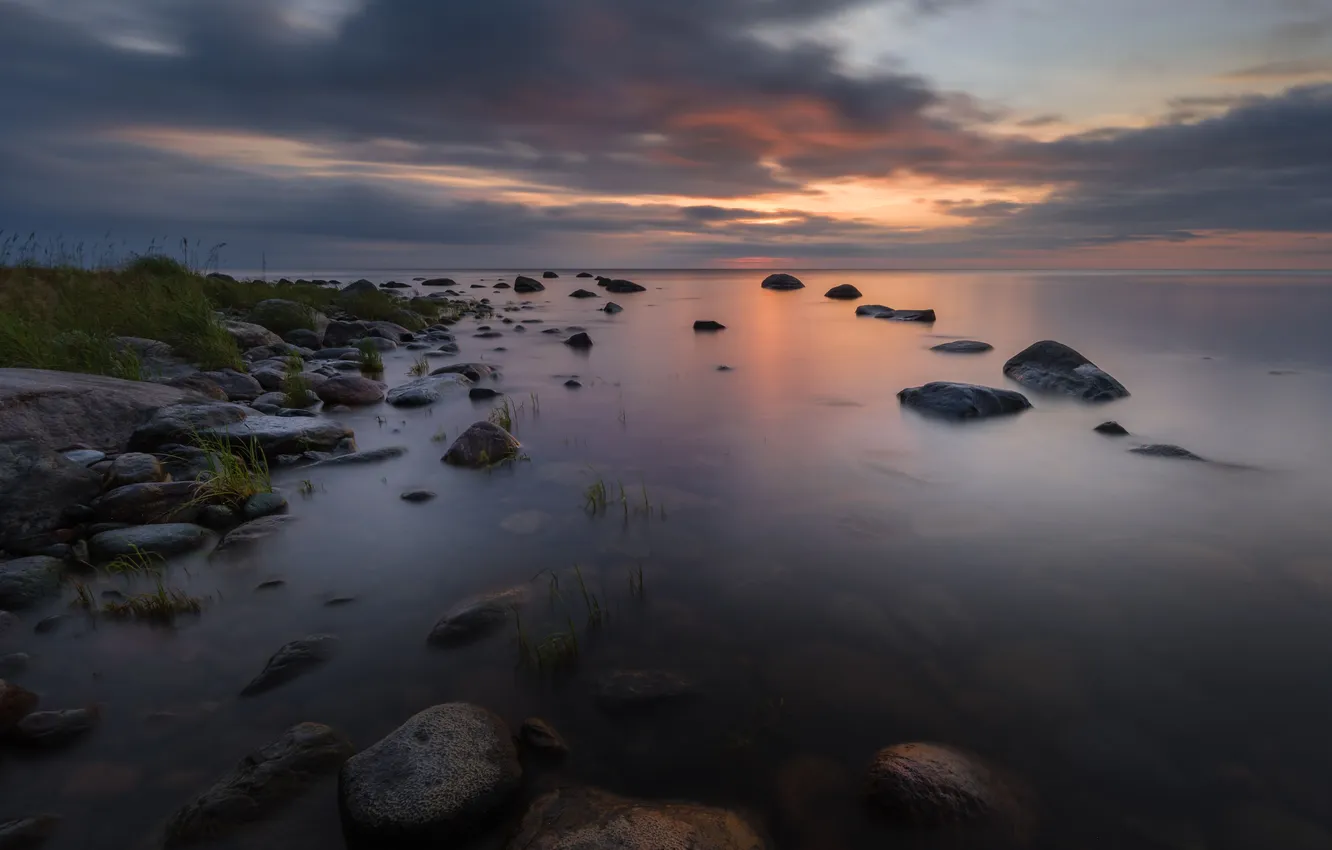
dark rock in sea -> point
(164, 540)
(426, 390)
(708, 325)
(351, 390)
(48, 624)
(280, 315)
(589, 819)
(907, 315)
(264, 504)
(488, 335)
(579, 340)
(583, 293)
(439, 281)
(16, 703)
(146, 504)
(270, 584)
(637, 690)
(36, 486)
(549, 275)
(844, 291)
(935, 785)
(292, 660)
(471, 371)
(417, 496)
(51, 729)
(1111, 429)
(134, 468)
(963, 346)
(483, 444)
(1166, 451)
(361, 458)
(260, 783)
(724, 368)
(394, 284)
(242, 537)
(552, 331)
(538, 735)
(612, 308)
(962, 401)
(482, 393)
(477, 617)
(237, 386)
(872, 310)
(782, 281)
(1053, 367)
(583, 274)
(573, 384)
(27, 833)
(527, 284)
(441, 777)
(623, 286)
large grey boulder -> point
(962, 401)
(165, 540)
(352, 390)
(239, 426)
(237, 385)
(483, 444)
(134, 468)
(590, 819)
(258, 785)
(36, 485)
(441, 776)
(250, 335)
(782, 281)
(59, 409)
(25, 582)
(1053, 367)
(425, 390)
(292, 660)
(934, 785)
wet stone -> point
(536, 734)
(639, 690)
(292, 660)
(50, 729)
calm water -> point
(1146, 643)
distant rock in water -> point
(1111, 429)
(583, 293)
(931, 785)
(844, 291)
(963, 346)
(579, 340)
(417, 496)
(359, 287)
(708, 325)
(439, 281)
(907, 315)
(1053, 367)
(1167, 451)
(624, 286)
(583, 274)
(352, 390)
(872, 310)
(526, 284)
(549, 275)
(483, 444)
(612, 308)
(782, 281)
(962, 401)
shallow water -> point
(1144, 642)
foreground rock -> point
(1167, 451)
(935, 785)
(441, 776)
(426, 390)
(612, 308)
(292, 660)
(163, 540)
(351, 390)
(962, 401)
(360, 458)
(963, 346)
(24, 582)
(579, 340)
(588, 819)
(782, 281)
(478, 617)
(1053, 367)
(483, 444)
(623, 691)
(16, 703)
(844, 291)
(36, 485)
(274, 435)
(259, 784)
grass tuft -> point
(162, 605)
(234, 473)
(371, 360)
(296, 386)
(135, 563)
(420, 368)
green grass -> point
(440, 436)
(135, 562)
(595, 616)
(296, 386)
(162, 605)
(420, 368)
(594, 497)
(234, 473)
(371, 360)
(503, 415)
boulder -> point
(708, 325)
(441, 776)
(16, 703)
(527, 284)
(259, 784)
(429, 389)
(549, 275)
(1111, 429)
(1167, 451)
(483, 444)
(439, 281)
(263, 504)
(536, 734)
(1053, 367)
(200, 383)
(238, 386)
(621, 691)
(280, 315)
(579, 340)
(934, 785)
(165, 540)
(25, 582)
(36, 486)
(612, 308)
(304, 338)
(782, 281)
(417, 496)
(274, 435)
(583, 293)
(54, 728)
(134, 468)
(292, 660)
(352, 390)
(60, 409)
(249, 335)
(872, 310)
(844, 291)
(482, 393)
(149, 503)
(478, 617)
(246, 535)
(623, 286)
(962, 401)
(589, 819)
(963, 346)
(359, 287)
(471, 371)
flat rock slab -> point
(292, 660)
(483, 444)
(782, 281)
(583, 293)
(935, 785)
(426, 390)
(638, 690)
(623, 286)
(275, 435)
(24, 582)
(962, 401)
(1111, 429)
(258, 785)
(963, 346)
(1166, 450)
(443, 775)
(589, 819)
(1053, 367)
(164, 539)
(477, 617)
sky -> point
(328, 134)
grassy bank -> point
(68, 318)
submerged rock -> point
(548, 275)
(637, 690)
(263, 504)
(1167, 451)
(163, 540)
(782, 281)
(907, 315)
(589, 819)
(962, 401)
(237, 386)
(708, 325)
(611, 307)
(1111, 429)
(537, 734)
(623, 286)
(872, 310)
(573, 383)
(439, 281)
(24, 582)
(963, 346)
(1053, 367)
(292, 660)
(36, 486)
(426, 390)
(441, 776)
(934, 785)
(478, 617)
(843, 291)
(54, 728)
(579, 340)
(482, 393)
(259, 784)
(417, 496)
(351, 390)
(247, 534)
(368, 456)
(483, 444)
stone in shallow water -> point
(164, 539)
(963, 346)
(962, 401)
(291, 661)
(55, 728)
(244, 536)
(483, 444)
(1053, 367)
(426, 390)
(907, 315)
(478, 617)
(1166, 451)
(1111, 429)
(708, 325)
(843, 291)
(350, 390)
(933, 785)
(782, 281)
(417, 496)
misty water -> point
(1144, 642)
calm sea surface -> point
(1146, 643)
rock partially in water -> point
(292, 660)
(145, 504)
(536, 734)
(843, 291)
(51, 729)
(164, 540)
(134, 468)
(583, 293)
(16, 703)
(27, 833)
(261, 783)
(417, 496)
(872, 310)
(573, 383)
(962, 401)
(359, 458)
(907, 315)
(36, 486)
(782, 281)
(623, 691)
(263, 504)
(24, 582)
(708, 325)
(623, 286)
(963, 346)
(579, 340)
(1053, 367)
(611, 307)
(1166, 450)
(351, 390)
(548, 275)
(426, 390)
(478, 617)
(589, 819)
(1111, 429)
(935, 785)
(482, 393)
(483, 444)
(246, 535)
(527, 284)
(440, 777)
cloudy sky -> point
(676, 133)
